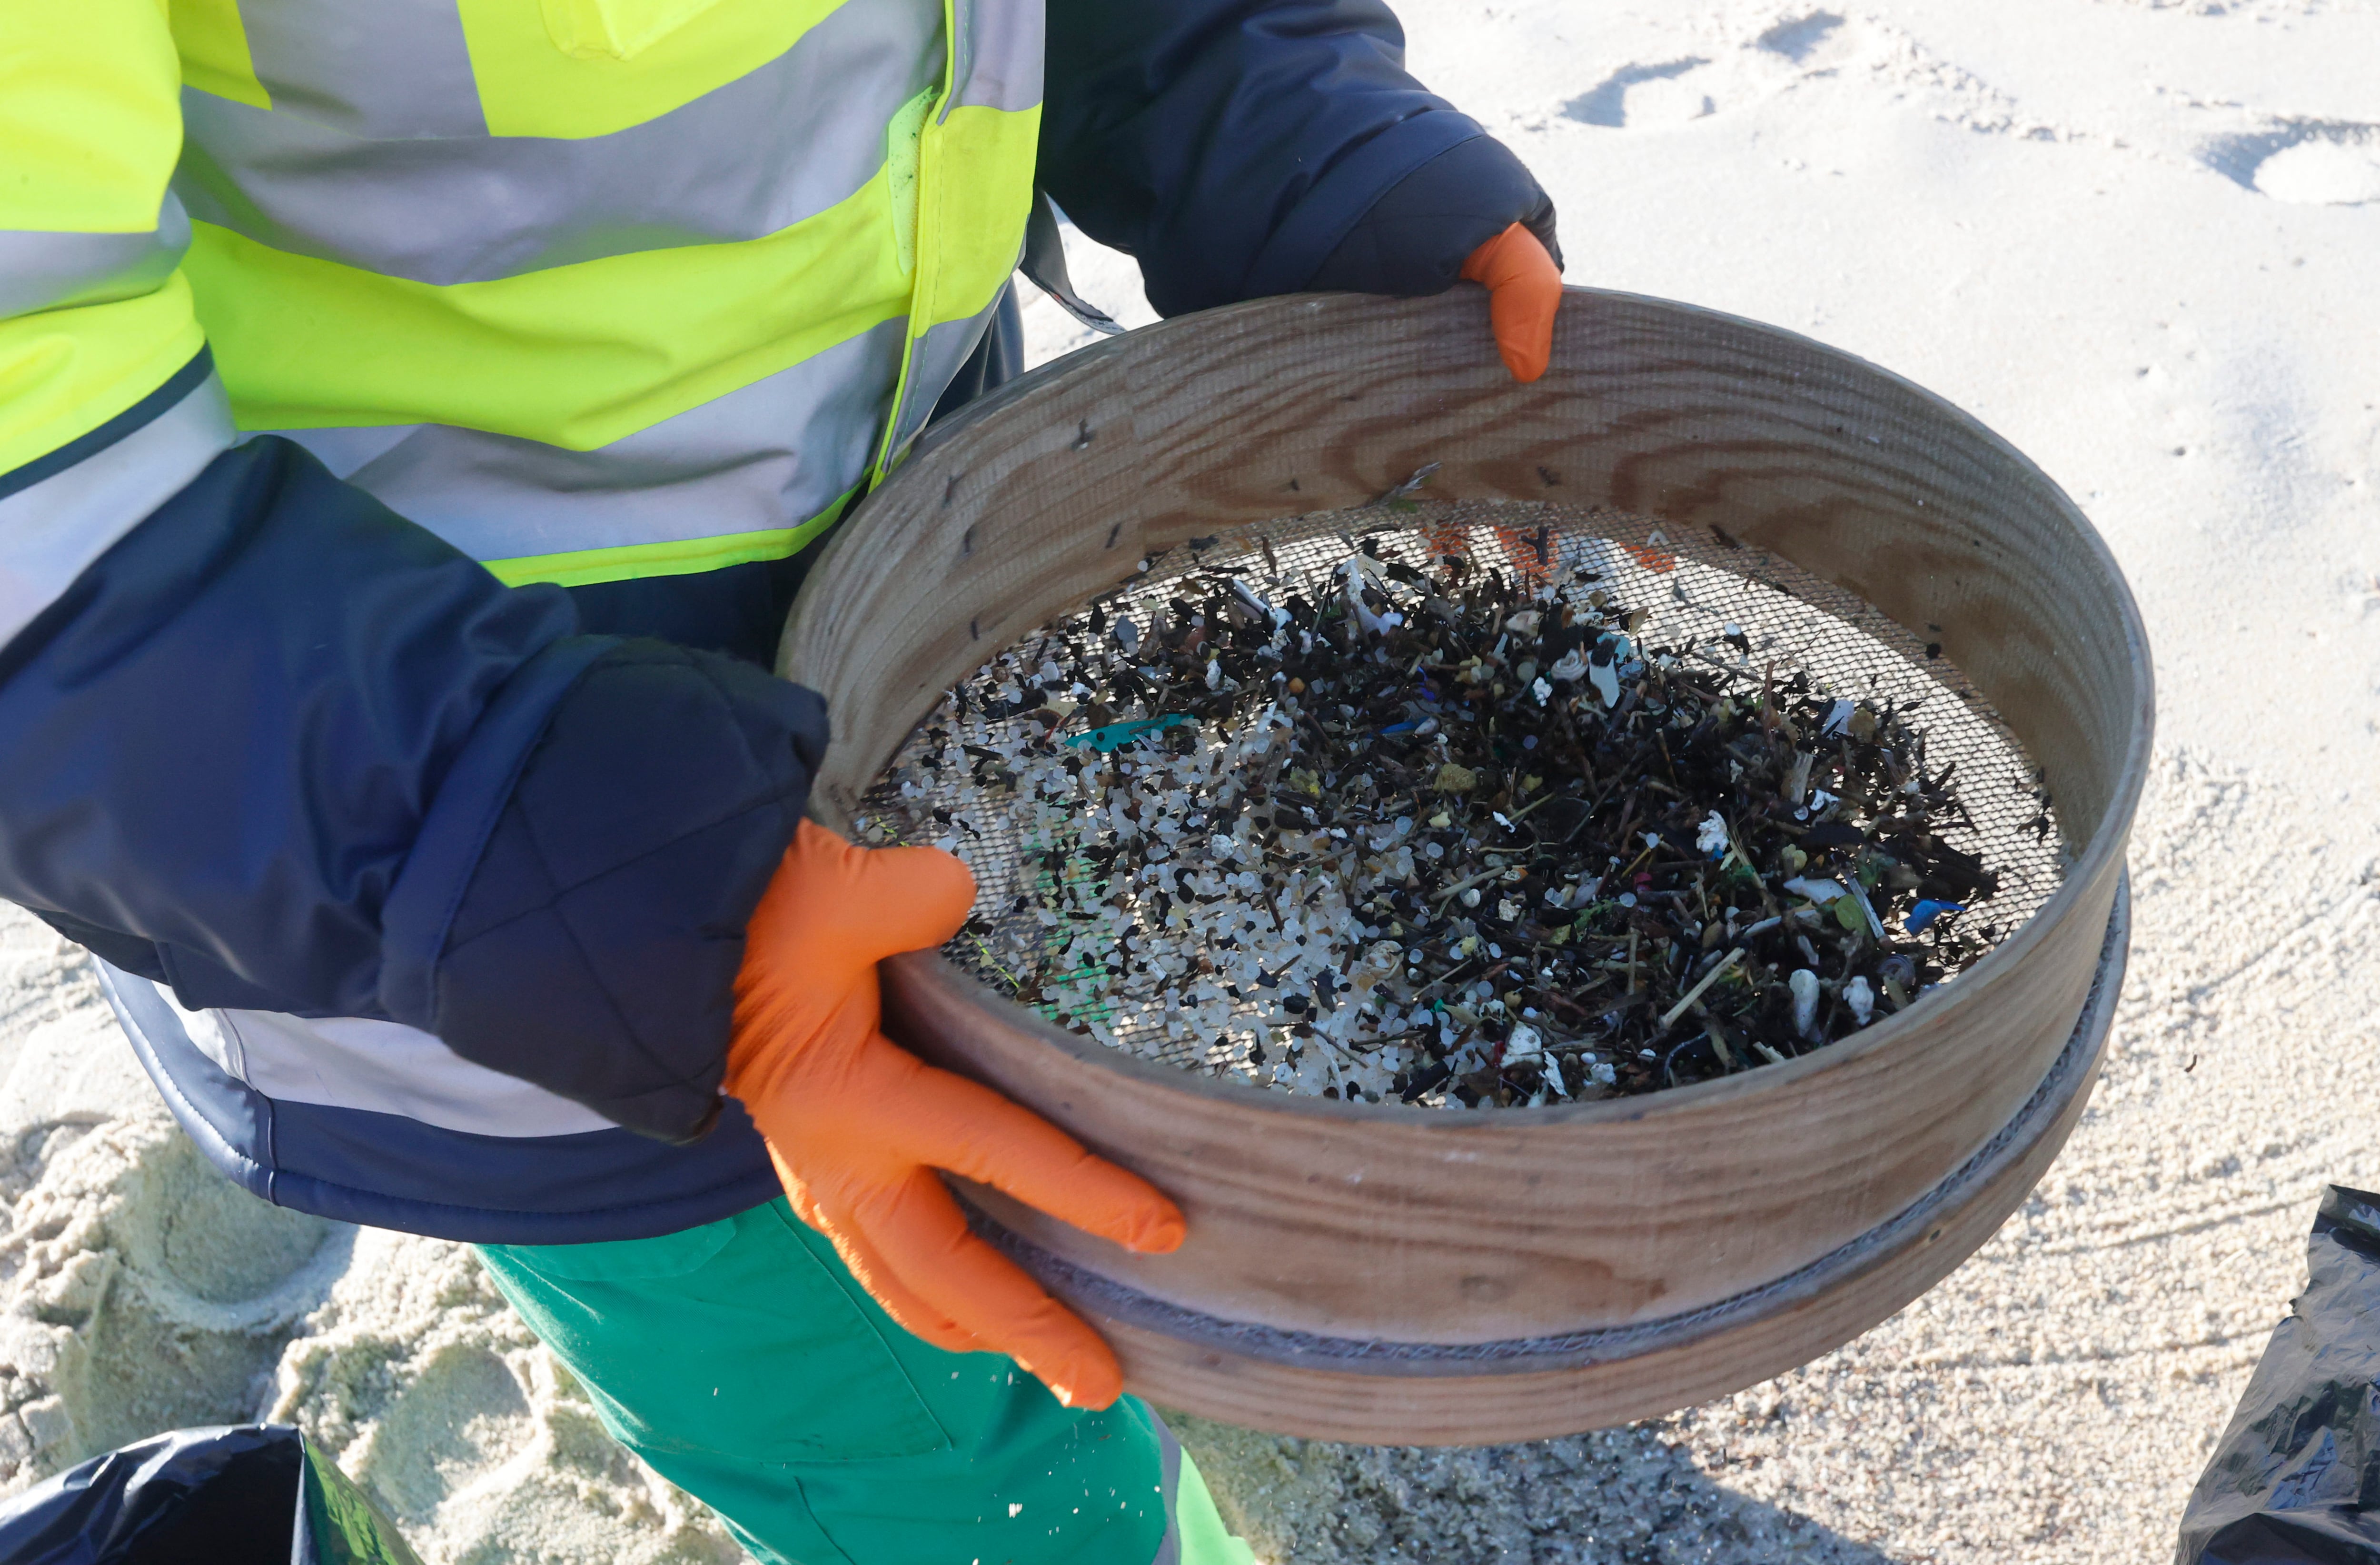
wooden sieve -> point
(1372, 1272)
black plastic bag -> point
(2296, 1477)
(248, 1494)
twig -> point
(1460, 887)
(1725, 964)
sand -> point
(141, 1291)
(2134, 237)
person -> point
(417, 417)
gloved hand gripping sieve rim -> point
(857, 1126)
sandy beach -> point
(2139, 240)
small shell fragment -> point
(1805, 986)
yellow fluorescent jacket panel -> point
(562, 221)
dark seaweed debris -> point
(1494, 841)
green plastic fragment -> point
(1115, 735)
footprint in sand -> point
(1803, 40)
(2321, 172)
(139, 1289)
(209, 1242)
(1645, 93)
(463, 1413)
(1609, 103)
(2306, 163)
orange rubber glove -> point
(1523, 290)
(856, 1125)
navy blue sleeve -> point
(1416, 237)
(1233, 146)
(283, 749)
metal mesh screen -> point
(1725, 603)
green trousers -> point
(743, 1362)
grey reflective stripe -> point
(389, 69)
(938, 356)
(767, 456)
(50, 531)
(345, 450)
(41, 271)
(780, 144)
(383, 1066)
(1168, 1449)
(1000, 58)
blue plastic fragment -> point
(1115, 735)
(1928, 910)
(1400, 728)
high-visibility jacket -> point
(411, 413)
(490, 261)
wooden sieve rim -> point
(2004, 968)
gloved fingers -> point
(787, 1015)
(1524, 291)
(951, 1122)
(831, 913)
(920, 1233)
(900, 1301)
(798, 1193)
(797, 1189)
(885, 899)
